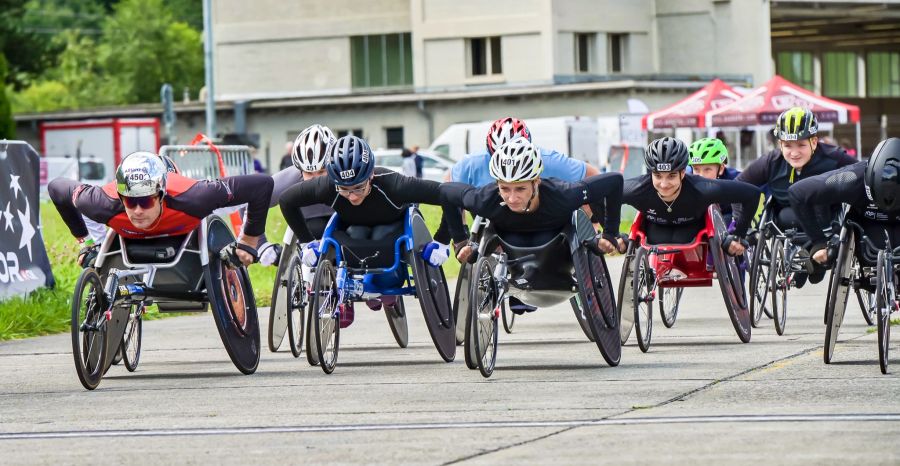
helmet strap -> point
(533, 195)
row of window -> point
(840, 72)
(385, 60)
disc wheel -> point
(326, 319)
(838, 292)
(89, 329)
(669, 302)
(642, 294)
(760, 267)
(296, 299)
(483, 316)
(131, 341)
(779, 283)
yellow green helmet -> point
(796, 123)
(708, 150)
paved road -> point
(699, 396)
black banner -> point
(24, 265)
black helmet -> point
(883, 175)
(666, 155)
(350, 161)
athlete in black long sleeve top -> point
(386, 202)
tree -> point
(7, 125)
(28, 53)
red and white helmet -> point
(517, 160)
(309, 153)
(505, 130)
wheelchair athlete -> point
(147, 201)
(368, 200)
(871, 189)
(527, 210)
(674, 204)
(800, 155)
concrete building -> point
(399, 72)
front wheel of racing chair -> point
(89, 329)
(295, 300)
(325, 315)
(482, 325)
(642, 295)
(839, 290)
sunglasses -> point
(144, 202)
(358, 189)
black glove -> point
(229, 254)
(731, 238)
(88, 255)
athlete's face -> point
(709, 170)
(142, 212)
(667, 183)
(356, 194)
(517, 195)
(311, 175)
(798, 153)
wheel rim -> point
(326, 316)
(884, 304)
(668, 305)
(296, 301)
(780, 282)
(132, 340)
(89, 329)
(644, 304)
(486, 317)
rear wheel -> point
(325, 319)
(644, 285)
(89, 329)
(483, 316)
(779, 283)
(296, 301)
(131, 342)
(669, 301)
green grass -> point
(874, 328)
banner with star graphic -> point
(24, 265)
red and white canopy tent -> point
(690, 112)
(760, 108)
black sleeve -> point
(73, 199)
(813, 199)
(743, 195)
(410, 190)
(757, 173)
(317, 191)
(604, 194)
(61, 191)
(206, 196)
(634, 189)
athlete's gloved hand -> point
(269, 254)
(87, 255)
(230, 254)
(436, 253)
(734, 245)
(310, 254)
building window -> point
(484, 56)
(796, 67)
(358, 132)
(839, 74)
(883, 74)
(394, 137)
(382, 60)
(584, 52)
(616, 52)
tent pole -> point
(740, 163)
(758, 142)
(859, 153)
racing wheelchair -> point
(179, 274)
(353, 269)
(539, 276)
(646, 272)
(508, 318)
(872, 273)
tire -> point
(312, 357)
(578, 309)
(324, 317)
(296, 300)
(461, 302)
(509, 318)
(779, 284)
(624, 303)
(728, 274)
(883, 303)
(642, 289)
(278, 308)
(396, 317)
(760, 267)
(89, 329)
(131, 341)
(669, 302)
(483, 316)
(838, 292)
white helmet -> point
(141, 174)
(309, 153)
(517, 160)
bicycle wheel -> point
(509, 318)
(89, 330)
(866, 301)
(884, 302)
(326, 320)
(779, 283)
(642, 293)
(483, 316)
(131, 342)
(295, 301)
(760, 267)
(838, 292)
(669, 302)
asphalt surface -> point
(698, 397)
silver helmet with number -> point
(141, 174)
(309, 151)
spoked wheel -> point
(89, 329)
(866, 301)
(642, 294)
(396, 317)
(483, 316)
(884, 303)
(838, 292)
(760, 266)
(669, 301)
(326, 318)
(779, 283)
(296, 301)
(131, 341)
(509, 318)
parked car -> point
(434, 167)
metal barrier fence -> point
(200, 162)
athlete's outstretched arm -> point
(316, 191)
(743, 196)
(814, 199)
